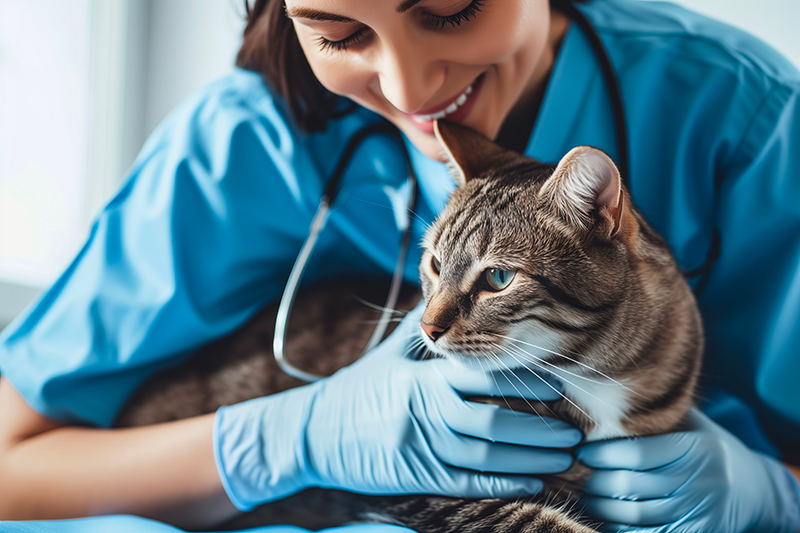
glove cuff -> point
(787, 493)
(259, 447)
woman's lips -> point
(423, 120)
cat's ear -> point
(468, 153)
(586, 190)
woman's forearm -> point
(165, 471)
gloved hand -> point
(390, 425)
(701, 480)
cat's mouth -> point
(512, 351)
(470, 351)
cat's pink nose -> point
(432, 330)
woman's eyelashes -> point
(430, 19)
(342, 44)
(465, 15)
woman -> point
(215, 208)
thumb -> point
(403, 340)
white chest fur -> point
(601, 399)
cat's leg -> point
(433, 514)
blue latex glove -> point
(137, 524)
(390, 425)
(701, 480)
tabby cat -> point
(529, 267)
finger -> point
(498, 424)
(635, 513)
(471, 485)
(499, 458)
(524, 384)
(636, 485)
(608, 527)
(639, 453)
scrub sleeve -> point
(202, 234)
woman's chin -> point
(424, 142)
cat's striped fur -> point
(597, 301)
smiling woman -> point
(211, 216)
(409, 61)
(472, 60)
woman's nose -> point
(409, 75)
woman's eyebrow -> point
(313, 14)
(322, 16)
(406, 5)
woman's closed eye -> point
(342, 44)
(465, 15)
(434, 20)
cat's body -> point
(529, 268)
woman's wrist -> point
(259, 447)
(795, 470)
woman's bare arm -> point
(49, 470)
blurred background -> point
(84, 82)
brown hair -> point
(271, 47)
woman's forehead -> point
(338, 10)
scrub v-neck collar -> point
(563, 108)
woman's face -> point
(413, 61)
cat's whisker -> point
(503, 396)
(499, 360)
(417, 345)
(373, 322)
(539, 361)
(425, 225)
(483, 370)
(561, 377)
(377, 307)
(552, 365)
(576, 406)
(579, 363)
(542, 348)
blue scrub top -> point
(213, 212)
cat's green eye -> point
(435, 264)
(499, 279)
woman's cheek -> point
(338, 76)
(335, 71)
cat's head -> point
(529, 260)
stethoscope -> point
(318, 223)
(322, 214)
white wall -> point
(137, 59)
(190, 43)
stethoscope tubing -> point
(318, 223)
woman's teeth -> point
(450, 109)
